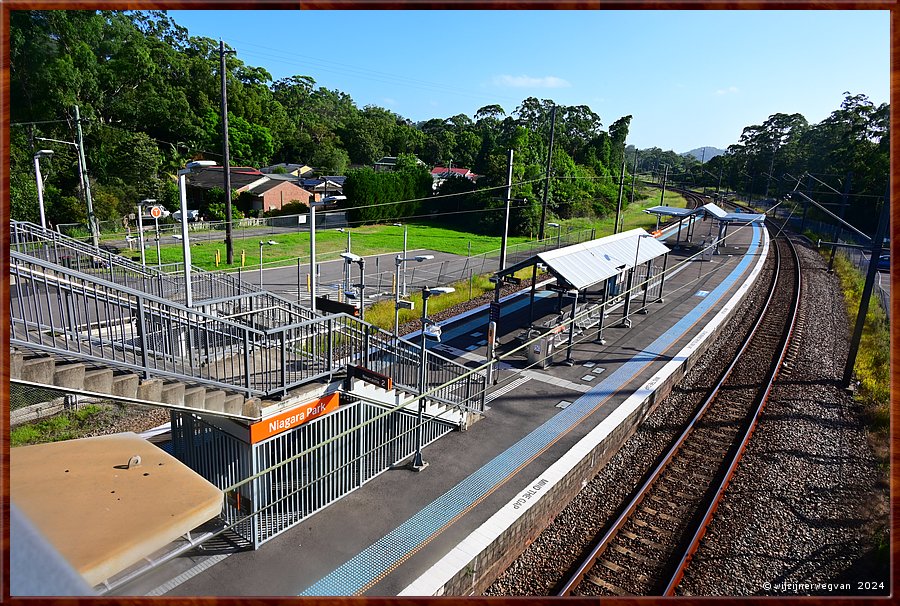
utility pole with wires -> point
(86, 183)
(543, 208)
(226, 162)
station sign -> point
(155, 212)
(370, 376)
(336, 307)
(292, 418)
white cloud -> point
(727, 91)
(530, 81)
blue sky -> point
(688, 78)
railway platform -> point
(488, 490)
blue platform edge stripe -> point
(377, 560)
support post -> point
(877, 244)
(569, 361)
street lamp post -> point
(140, 214)
(401, 262)
(312, 254)
(44, 153)
(261, 244)
(352, 258)
(185, 242)
(405, 233)
(558, 231)
(346, 270)
(417, 463)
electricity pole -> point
(226, 164)
(621, 189)
(92, 220)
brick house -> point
(273, 194)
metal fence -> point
(253, 226)
(234, 343)
(300, 471)
(793, 214)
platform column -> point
(602, 313)
(662, 278)
(569, 361)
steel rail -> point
(588, 562)
(694, 544)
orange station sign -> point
(293, 418)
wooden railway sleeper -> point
(640, 539)
(604, 584)
(644, 524)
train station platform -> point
(451, 528)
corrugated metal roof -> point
(669, 211)
(588, 263)
(743, 218)
(713, 210)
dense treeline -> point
(149, 96)
(848, 151)
(149, 99)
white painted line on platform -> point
(538, 376)
(188, 574)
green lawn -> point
(365, 240)
(375, 239)
(634, 215)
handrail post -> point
(247, 359)
(330, 345)
(142, 331)
(283, 364)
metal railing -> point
(229, 343)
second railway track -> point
(645, 550)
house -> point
(275, 193)
(389, 163)
(267, 191)
(212, 177)
(324, 186)
(297, 170)
(440, 174)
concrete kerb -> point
(504, 536)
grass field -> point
(376, 239)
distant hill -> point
(711, 152)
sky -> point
(689, 78)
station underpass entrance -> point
(276, 475)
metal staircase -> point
(84, 305)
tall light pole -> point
(185, 242)
(140, 214)
(312, 253)
(44, 153)
(261, 244)
(558, 231)
(417, 463)
(401, 262)
(405, 232)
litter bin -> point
(540, 353)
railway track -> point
(647, 548)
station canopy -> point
(707, 210)
(583, 265)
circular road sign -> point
(155, 212)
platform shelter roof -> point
(669, 211)
(710, 210)
(585, 264)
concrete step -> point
(125, 385)
(172, 393)
(69, 376)
(98, 380)
(38, 370)
(214, 400)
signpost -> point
(156, 213)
